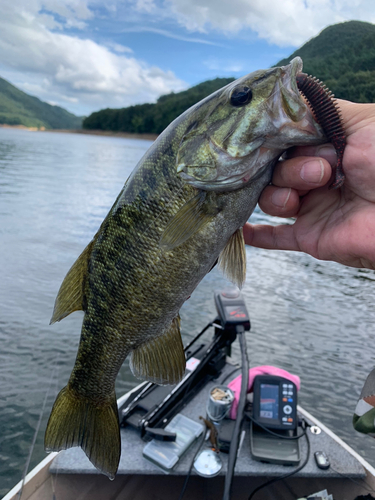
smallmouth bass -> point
(181, 210)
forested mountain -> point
(19, 108)
(342, 56)
(152, 118)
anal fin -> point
(161, 360)
(232, 259)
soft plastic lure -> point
(327, 113)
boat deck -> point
(69, 474)
(74, 461)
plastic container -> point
(166, 454)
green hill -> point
(19, 108)
(152, 118)
(343, 57)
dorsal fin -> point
(71, 293)
(161, 360)
(232, 259)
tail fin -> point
(78, 421)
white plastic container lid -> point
(167, 453)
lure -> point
(326, 111)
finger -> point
(302, 173)
(270, 237)
(326, 151)
(282, 202)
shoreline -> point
(22, 127)
(108, 133)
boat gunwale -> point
(11, 495)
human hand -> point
(337, 225)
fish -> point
(180, 212)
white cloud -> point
(116, 47)
(67, 67)
(145, 5)
(170, 34)
(50, 47)
(284, 23)
(224, 66)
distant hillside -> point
(152, 118)
(19, 108)
(343, 57)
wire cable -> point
(280, 436)
(289, 474)
(192, 462)
(236, 369)
(240, 414)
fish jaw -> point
(225, 158)
(290, 118)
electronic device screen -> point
(269, 401)
(275, 402)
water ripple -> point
(315, 319)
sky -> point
(86, 55)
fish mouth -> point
(289, 80)
(296, 67)
(290, 123)
(289, 112)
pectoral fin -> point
(162, 360)
(70, 297)
(232, 260)
(188, 221)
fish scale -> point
(181, 210)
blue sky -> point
(86, 55)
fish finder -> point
(274, 408)
(275, 402)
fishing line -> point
(55, 364)
(364, 485)
(201, 442)
(199, 335)
(54, 479)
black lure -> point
(327, 113)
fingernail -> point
(312, 171)
(280, 197)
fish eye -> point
(241, 96)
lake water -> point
(315, 319)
